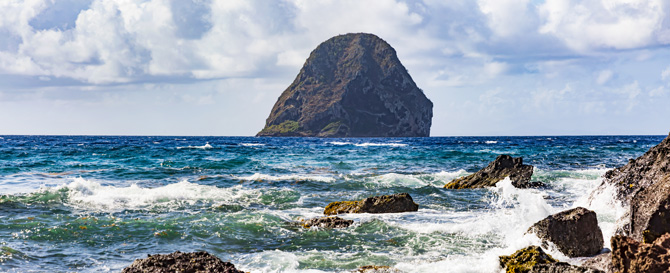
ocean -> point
(97, 203)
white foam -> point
(90, 195)
(204, 147)
(339, 143)
(267, 177)
(491, 142)
(252, 144)
(416, 180)
(368, 144)
(611, 212)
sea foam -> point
(90, 195)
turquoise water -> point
(96, 203)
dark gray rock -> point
(327, 222)
(635, 185)
(575, 232)
(503, 166)
(561, 267)
(351, 85)
(650, 211)
(194, 262)
(631, 256)
(376, 269)
(400, 202)
(602, 262)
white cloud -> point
(604, 76)
(665, 74)
(590, 25)
(507, 17)
(493, 69)
(659, 91)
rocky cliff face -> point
(351, 85)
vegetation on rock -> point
(522, 261)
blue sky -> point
(206, 67)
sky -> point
(216, 68)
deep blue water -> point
(96, 203)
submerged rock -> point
(575, 232)
(376, 269)
(327, 222)
(630, 256)
(194, 262)
(503, 166)
(522, 261)
(561, 267)
(400, 202)
(351, 85)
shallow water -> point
(94, 203)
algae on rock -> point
(523, 260)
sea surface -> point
(96, 203)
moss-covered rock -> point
(400, 202)
(286, 128)
(522, 261)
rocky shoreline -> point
(642, 242)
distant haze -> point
(205, 67)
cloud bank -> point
(496, 67)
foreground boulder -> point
(630, 256)
(327, 222)
(575, 232)
(351, 85)
(503, 166)
(522, 261)
(194, 262)
(561, 267)
(376, 269)
(400, 202)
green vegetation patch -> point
(285, 128)
(523, 260)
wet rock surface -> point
(503, 166)
(631, 256)
(561, 267)
(327, 222)
(193, 262)
(640, 173)
(575, 232)
(400, 202)
(602, 262)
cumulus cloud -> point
(590, 25)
